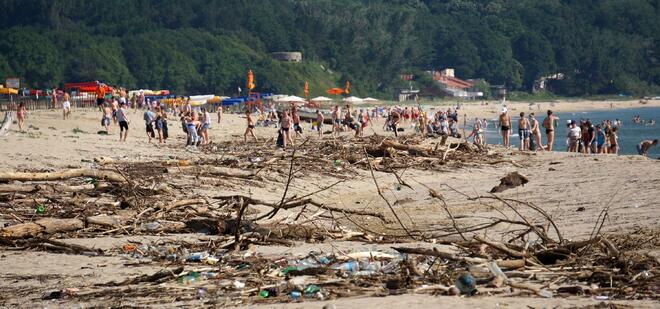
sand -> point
(560, 183)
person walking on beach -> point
(206, 125)
(53, 99)
(549, 124)
(336, 121)
(394, 122)
(319, 122)
(149, 118)
(100, 96)
(66, 106)
(105, 119)
(644, 146)
(21, 111)
(191, 127)
(536, 132)
(285, 126)
(123, 122)
(523, 131)
(250, 127)
(505, 127)
(296, 123)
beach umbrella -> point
(335, 91)
(291, 98)
(370, 100)
(321, 99)
(8, 91)
(353, 100)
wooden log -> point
(42, 226)
(412, 149)
(18, 188)
(501, 247)
(62, 175)
(508, 264)
(213, 170)
(107, 220)
(6, 123)
(165, 226)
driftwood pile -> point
(155, 198)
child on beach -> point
(105, 119)
(66, 106)
(149, 118)
(319, 122)
(206, 124)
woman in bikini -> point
(614, 141)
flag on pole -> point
(347, 88)
(250, 80)
(306, 89)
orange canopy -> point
(335, 91)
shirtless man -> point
(395, 118)
(115, 107)
(319, 122)
(549, 124)
(336, 115)
(644, 146)
(105, 120)
(296, 123)
(66, 106)
(523, 131)
(250, 127)
(536, 132)
(285, 126)
(53, 98)
(505, 127)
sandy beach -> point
(573, 189)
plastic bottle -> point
(197, 257)
(350, 266)
(189, 278)
(40, 209)
(311, 289)
(151, 226)
(295, 295)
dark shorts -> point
(318, 127)
(114, 114)
(285, 129)
(150, 128)
(105, 121)
(505, 128)
(99, 101)
(523, 133)
(123, 125)
(548, 131)
(250, 126)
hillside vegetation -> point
(206, 46)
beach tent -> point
(8, 91)
(370, 100)
(321, 99)
(291, 98)
(353, 100)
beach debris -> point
(511, 180)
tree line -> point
(206, 46)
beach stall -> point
(353, 100)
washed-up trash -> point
(40, 209)
(150, 226)
(189, 278)
(466, 284)
(56, 294)
(311, 289)
(350, 266)
(197, 257)
(238, 285)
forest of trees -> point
(206, 46)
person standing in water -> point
(505, 127)
(536, 132)
(549, 124)
(523, 131)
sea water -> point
(630, 134)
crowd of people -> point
(582, 135)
